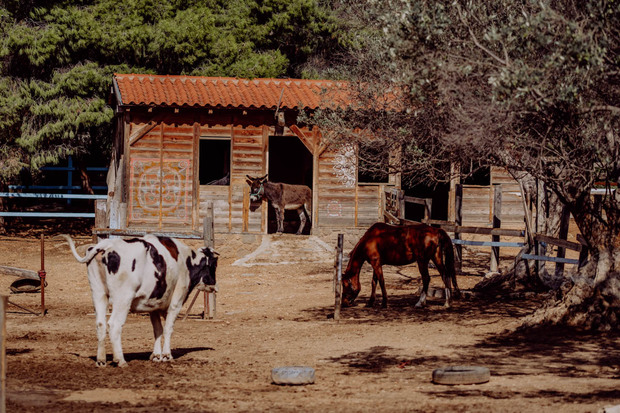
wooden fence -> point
(394, 212)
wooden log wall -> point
(163, 152)
(477, 206)
(161, 173)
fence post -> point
(3, 304)
(497, 223)
(42, 275)
(338, 278)
(401, 204)
(458, 220)
(209, 235)
(209, 240)
(428, 206)
(564, 223)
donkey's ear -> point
(264, 178)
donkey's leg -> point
(426, 279)
(302, 220)
(280, 219)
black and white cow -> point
(150, 274)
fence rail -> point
(28, 214)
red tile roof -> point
(220, 92)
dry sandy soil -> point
(282, 315)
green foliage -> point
(57, 58)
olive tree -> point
(529, 86)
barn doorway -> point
(290, 162)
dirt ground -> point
(282, 315)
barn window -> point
(214, 161)
(476, 174)
(372, 164)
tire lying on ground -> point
(294, 375)
(461, 375)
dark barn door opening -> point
(290, 162)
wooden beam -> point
(140, 132)
(307, 141)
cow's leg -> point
(426, 279)
(157, 332)
(302, 219)
(100, 300)
(171, 316)
(118, 317)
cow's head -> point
(202, 266)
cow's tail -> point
(448, 254)
(89, 255)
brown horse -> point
(399, 245)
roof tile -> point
(221, 92)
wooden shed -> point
(183, 141)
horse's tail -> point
(448, 254)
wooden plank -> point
(558, 242)
(19, 272)
(142, 232)
(494, 244)
(546, 258)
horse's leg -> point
(302, 219)
(426, 279)
(373, 285)
(444, 276)
(377, 275)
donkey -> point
(281, 196)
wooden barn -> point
(183, 141)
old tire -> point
(461, 375)
(293, 375)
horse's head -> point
(257, 188)
(350, 287)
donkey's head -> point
(257, 190)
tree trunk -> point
(590, 297)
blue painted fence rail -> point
(49, 196)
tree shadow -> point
(374, 360)
(401, 307)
